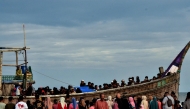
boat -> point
(168, 81)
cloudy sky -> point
(98, 40)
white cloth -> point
(173, 69)
(165, 106)
(21, 105)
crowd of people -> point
(169, 101)
(18, 90)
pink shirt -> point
(92, 107)
(55, 106)
(101, 105)
(71, 106)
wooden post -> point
(25, 79)
(16, 58)
(1, 62)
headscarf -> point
(154, 104)
(74, 103)
(62, 101)
(131, 101)
(110, 102)
(109, 98)
(49, 103)
(144, 102)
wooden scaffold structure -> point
(16, 50)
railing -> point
(14, 77)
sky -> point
(95, 40)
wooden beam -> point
(12, 65)
(14, 48)
(9, 50)
(16, 58)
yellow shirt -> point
(19, 72)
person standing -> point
(165, 101)
(101, 104)
(21, 104)
(10, 105)
(110, 102)
(48, 103)
(2, 104)
(186, 104)
(38, 104)
(153, 104)
(132, 103)
(74, 104)
(62, 104)
(144, 103)
(55, 104)
(82, 104)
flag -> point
(174, 66)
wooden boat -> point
(155, 87)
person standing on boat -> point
(18, 90)
(101, 104)
(186, 104)
(166, 98)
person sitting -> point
(137, 80)
(18, 73)
(123, 84)
(114, 84)
(82, 83)
(154, 78)
(100, 87)
(89, 84)
(130, 81)
(105, 86)
(146, 79)
(158, 75)
(92, 86)
(72, 91)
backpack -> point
(169, 102)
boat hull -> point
(155, 88)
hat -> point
(122, 80)
(82, 80)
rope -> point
(52, 78)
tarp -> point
(85, 89)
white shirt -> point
(17, 91)
(21, 105)
(165, 106)
(2, 105)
